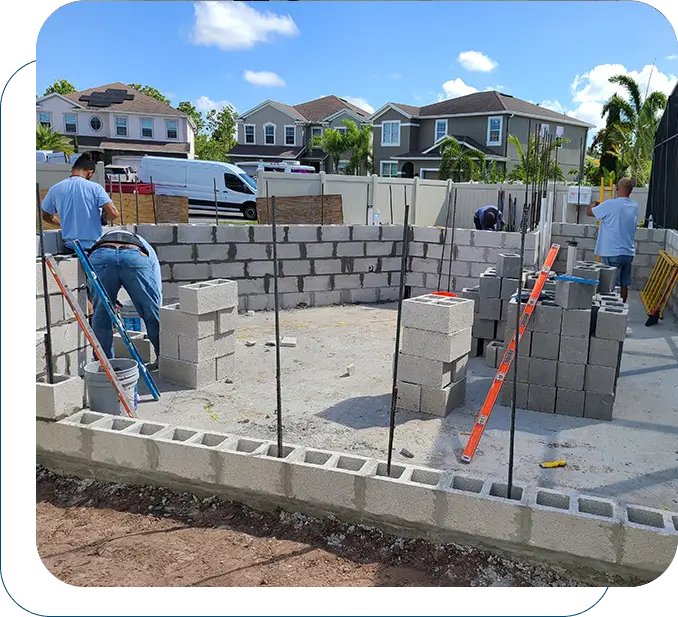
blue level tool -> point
(115, 318)
(575, 279)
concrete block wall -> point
(443, 505)
(648, 244)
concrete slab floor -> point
(634, 458)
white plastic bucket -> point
(102, 396)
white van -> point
(251, 167)
(195, 179)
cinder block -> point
(437, 313)
(547, 317)
(600, 379)
(649, 538)
(227, 270)
(543, 372)
(226, 320)
(141, 343)
(490, 309)
(508, 265)
(484, 329)
(56, 309)
(254, 251)
(350, 249)
(162, 233)
(377, 249)
(175, 253)
(523, 370)
(511, 315)
(194, 234)
(541, 398)
(441, 402)
(372, 279)
(546, 346)
(491, 352)
(570, 376)
(425, 372)
(169, 345)
(208, 297)
(302, 300)
(409, 396)
(67, 337)
(608, 279)
(186, 373)
(571, 295)
(436, 346)
(576, 323)
(598, 406)
(123, 441)
(428, 234)
(590, 273)
(574, 350)
(199, 351)
(604, 352)
(177, 322)
(525, 345)
(570, 402)
(506, 394)
(490, 285)
(509, 287)
(58, 399)
(611, 323)
(323, 250)
(225, 366)
(190, 272)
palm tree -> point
(360, 145)
(531, 164)
(457, 162)
(46, 138)
(334, 143)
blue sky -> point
(411, 52)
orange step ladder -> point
(506, 362)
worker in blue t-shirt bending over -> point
(487, 218)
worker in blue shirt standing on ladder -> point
(487, 217)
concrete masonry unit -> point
(566, 527)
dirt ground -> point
(98, 534)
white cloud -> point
(264, 78)
(553, 106)
(358, 102)
(589, 111)
(672, 57)
(456, 87)
(236, 25)
(204, 104)
(476, 61)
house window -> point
(560, 132)
(494, 126)
(290, 135)
(70, 123)
(172, 129)
(389, 169)
(45, 118)
(95, 123)
(121, 127)
(545, 129)
(341, 129)
(249, 133)
(269, 134)
(146, 127)
(390, 133)
(441, 130)
(316, 131)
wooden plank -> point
(170, 209)
(303, 209)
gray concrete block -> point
(67, 337)
(225, 366)
(440, 402)
(200, 350)
(490, 308)
(525, 345)
(317, 283)
(484, 328)
(189, 272)
(366, 232)
(491, 352)
(428, 234)
(56, 308)
(571, 295)
(604, 352)
(409, 396)
(186, 373)
(611, 323)
(141, 343)
(591, 273)
(260, 268)
(301, 233)
(169, 345)
(162, 233)
(425, 372)
(58, 399)
(391, 232)
(438, 313)
(508, 265)
(328, 266)
(543, 372)
(509, 287)
(600, 379)
(323, 250)
(213, 252)
(547, 317)
(287, 251)
(372, 279)
(379, 249)
(350, 249)
(295, 300)
(227, 270)
(174, 321)
(511, 315)
(576, 323)
(234, 233)
(295, 267)
(208, 297)
(255, 251)
(490, 239)
(436, 346)
(541, 398)
(328, 298)
(490, 286)
(472, 253)
(124, 441)
(608, 279)
(390, 264)
(194, 234)
(546, 346)
(574, 350)
(570, 376)
(175, 253)
(506, 394)
(598, 406)
(570, 402)
(649, 538)
(260, 302)
(523, 370)
(504, 310)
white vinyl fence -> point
(48, 174)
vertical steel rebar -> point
(454, 224)
(122, 215)
(278, 393)
(155, 210)
(447, 224)
(48, 313)
(394, 389)
(322, 203)
(216, 202)
(390, 199)
(581, 175)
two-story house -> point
(273, 131)
(407, 138)
(118, 124)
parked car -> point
(121, 173)
(198, 180)
(50, 156)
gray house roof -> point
(316, 110)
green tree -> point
(532, 165)
(217, 136)
(152, 92)
(190, 110)
(359, 141)
(334, 143)
(46, 138)
(457, 162)
(60, 86)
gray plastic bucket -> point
(101, 395)
(131, 319)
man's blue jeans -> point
(131, 270)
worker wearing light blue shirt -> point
(77, 204)
(616, 236)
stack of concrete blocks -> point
(141, 342)
(570, 353)
(436, 342)
(197, 335)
